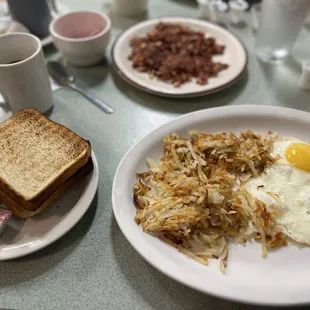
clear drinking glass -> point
(279, 25)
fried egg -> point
(286, 186)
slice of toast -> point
(19, 211)
(37, 155)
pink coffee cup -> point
(82, 36)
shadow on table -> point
(241, 25)
(179, 105)
(49, 50)
(283, 82)
(188, 3)
(29, 267)
(86, 77)
(152, 285)
(120, 21)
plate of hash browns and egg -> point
(219, 200)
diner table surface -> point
(93, 266)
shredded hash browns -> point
(194, 197)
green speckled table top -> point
(93, 266)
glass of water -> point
(279, 26)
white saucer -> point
(23, 237)
(235, 56)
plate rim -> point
(264, 109)
(191, 94)
(90, 192)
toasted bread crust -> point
(37, 156)
(18, 209)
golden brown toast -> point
(37, 155)
(19, 211)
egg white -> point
(293, 189)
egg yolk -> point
(298, 154)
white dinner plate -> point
(283, 278)
(23, 237)
(234, 55)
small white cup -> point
(24, 81)
(82, 36)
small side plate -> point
(23, 237)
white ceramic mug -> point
(24, 81)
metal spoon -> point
(59, 73)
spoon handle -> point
(99, 103)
